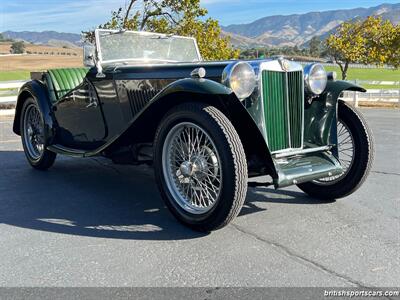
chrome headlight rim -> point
(315, 79)
(240, 78)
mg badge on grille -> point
(285, 64)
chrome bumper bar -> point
(302, 151)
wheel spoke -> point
(346, 153)
(193, 168)
(33, 132)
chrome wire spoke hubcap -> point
(191, 168)
(346, 153)
(33, 132)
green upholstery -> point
(61, 81)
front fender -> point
(198, 86)
(143, 127)
(320, 118)
(182, 90)
(37, 91)
(337, 87)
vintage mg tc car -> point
(205, 127)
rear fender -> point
(36, 90)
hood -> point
(168, 70)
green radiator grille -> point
(283, 109)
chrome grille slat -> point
(282, 94)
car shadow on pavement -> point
(85, 197)
(92, 197)
(270, 195)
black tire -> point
(362, 161)
(232, 161)
(46, 158)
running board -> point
(66, 151)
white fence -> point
(391, 95)
(9, 91)
(352, 65)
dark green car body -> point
(286, 133)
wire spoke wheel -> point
(33, 132)
(191, 167)
(200, 166)
(346, 153)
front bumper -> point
(305, 167)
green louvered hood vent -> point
(283, 108)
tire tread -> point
(240, 166)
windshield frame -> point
(146, 61)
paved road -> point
(86, 222)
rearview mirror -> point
(89, 55)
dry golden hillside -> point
(40, 58)
(38, 62)
(42, 49)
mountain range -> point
(52, 38)
(298, 29)
(271, 31)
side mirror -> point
(89, 55)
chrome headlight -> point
(315, 78)
(240, 77)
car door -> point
(80, 118)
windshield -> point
(143, 46)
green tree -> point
(369, 41)
(1, 37)
(315, 46)
(17, 48)
(393, 58)
(179, 17)
(383, 43)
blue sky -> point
(77, 15)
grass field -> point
(370, 75)
(14, 75)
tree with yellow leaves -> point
(369, 41)
(179, 17)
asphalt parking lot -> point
(86, 222)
